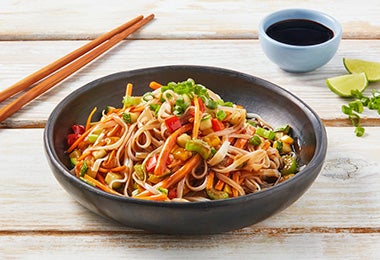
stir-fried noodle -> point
(180, 142)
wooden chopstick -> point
(101, 45)
(47, 70)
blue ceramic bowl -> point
(296, 58)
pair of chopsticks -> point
(65, 66)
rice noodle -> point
(230, 164)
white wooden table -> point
(337, 218)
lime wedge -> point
(370, 68)
(343, 85)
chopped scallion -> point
(268, 134)
(255, 140)
(127, 118)
(220, 115)
(131, 101)
(83, 169)
(211, 104)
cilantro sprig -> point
(356, 107)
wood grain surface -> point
(337, 218)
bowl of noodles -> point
(184, 149)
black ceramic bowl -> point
(273, 103)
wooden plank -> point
(230, 246)
(72, 19)
(345, 198)
(22, 58)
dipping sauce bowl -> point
(299, 40)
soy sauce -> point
(300, 32)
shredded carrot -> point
(266, 145)
(181, 173)
(114, 130)
(175, 163)
(229, 161)
(115, 169)
(84, 155)
(235, 178)
(156, 197)
(88, 122)
(240, 143)
(175, 177)
(119, 168)
(111, 161)
(155, 85)
(197, 117)
(100, 178)
(80, 139)
(100, 185)
(219, 185)
(103, 170)
(138, 109)
(128, 90)
(166, 149)
(210, 180)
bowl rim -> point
(290, 13)
(316, 160)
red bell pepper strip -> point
(173, 123)
(71, 138)
(172, 193)
(151, 163)
(78, 129)
(201, 105)
(217, 125)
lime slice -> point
(370, 68)
(343, 85)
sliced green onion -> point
(290, 165)
(139, 169)
(108, 109)
(180, 107)
(255, 140)
(200, 91)
(163, 190)
(206, 117)
(92, 138)
(87, 181)
(211, 104)
(148, 96)
(200, 147)
(284, 128)
(83, 169)
(216, 194)
(127, 118)
(265, 133)
(278, 145)
(220, 115)
(155, 108)
(252, 123)
(226, 104)
(131, 101)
